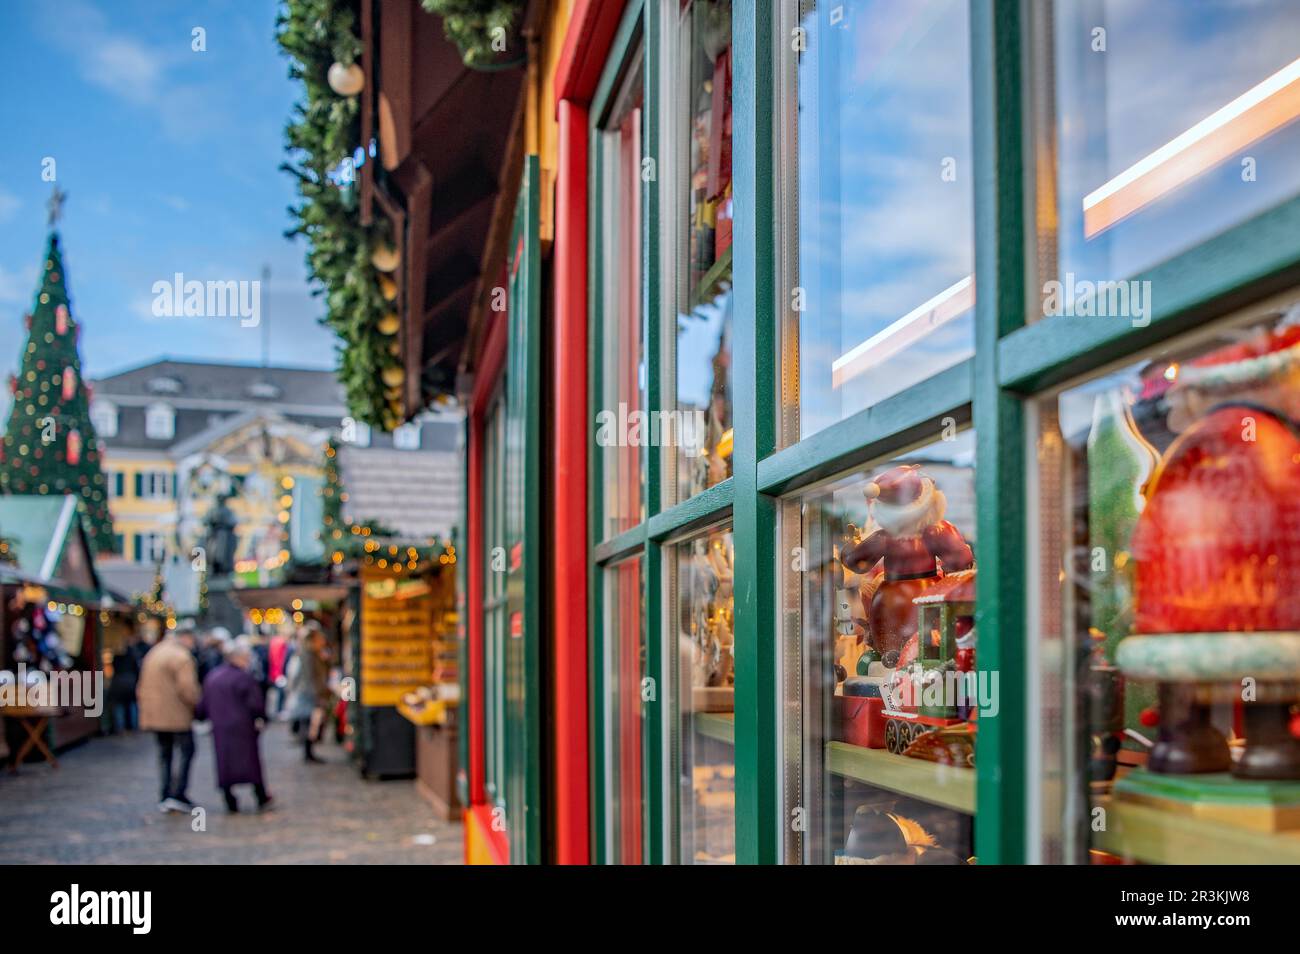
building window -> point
(407, 437)
(357, 433)
(154, 485)
(699, 371)
(103, 415)
(701, 611)
(879, 287)
(622, 431)
(1149, 145)
(159, 422)
(1170, 598)
(150, 547)
(879, 663)
(623, 668)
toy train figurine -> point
(931, 685)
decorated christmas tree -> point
(49, 444)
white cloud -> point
(16, 288)
(138, 72)
(9, 204)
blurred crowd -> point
(211, 683)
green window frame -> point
(1014, 365)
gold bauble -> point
(390, 323)
(393, 376)
(346, 80)
(387, 288)
(385, 258)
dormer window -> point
(164, 384)
(159, 422)
(264, 390)
(407, 437)
(103, 415)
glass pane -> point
(621, 432)
(879, 286)
(1170, 603)
(624, 668)
(702, 610)
(883, 695)
(703, 299)
(1160, 124)
(494, 589)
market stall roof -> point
(448, 148)
(265, 597)
(48, 535)
(416, 495)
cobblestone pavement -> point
(100, 807)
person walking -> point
(121, 688)
(278, 652)
(236, 706)
(309, 689)
(167, 692)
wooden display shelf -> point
(1157, 836)
(944, 785)
(716, 725)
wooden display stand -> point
(435, 767)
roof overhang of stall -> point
(448, 160)
(266, 597)
(51, 543)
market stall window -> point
(878, 290)
(1169, 603)
(883, 695)
(624, 650)
(701, 608)
(700, 446)
(1158, 125)
(622, 429)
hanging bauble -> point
(61, 319)
(74, 447)
(387, 288)
(69, 383)
(393, 376)
(13, 384)
(346, 80)
(389, 324)
(394, 349)
(27, 323)
(385, 258)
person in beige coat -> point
(167, 692)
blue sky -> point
(170, 160)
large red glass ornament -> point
(1217, 546)
(69, 383)
(74, 447)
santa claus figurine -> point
(916, 547)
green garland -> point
(321, 136)
(471, 25)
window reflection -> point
(881, 289)
(704, 295)
(1171, 121)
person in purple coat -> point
(233, 701)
